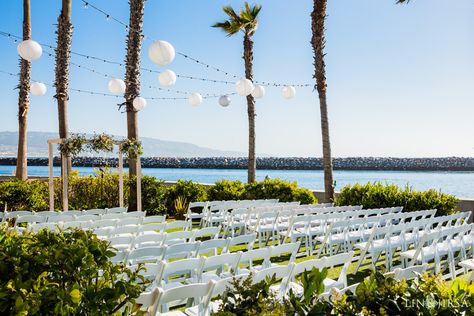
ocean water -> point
(460, 184)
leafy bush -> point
(226, 190)
(279, 189)
(377, 295)
(248, 298)
(23, 195)
(153, 194)
(378, 195)
(66, 273)
(100, 190)
(188, 190)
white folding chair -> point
(151, 228)
(212, 232)
(154, 219)
(242, 240)
(343, 259)
(146, 255)
(279, 272)
(61, 218)
(174, 274)
(30, 219)
(105, 223)
(149, 240)
(178, 237)
(280, 250)
(181, 251)
(220, 266)
(116, 210)
(129, 221)
(249, 257)
(121, 243)
(95, 211)
(198, 294)
(183, 225)
(130, 230)
(212, 247)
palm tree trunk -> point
(132, 81)
(24, 100)
(248, 58)
(63, 56)
(318, 17)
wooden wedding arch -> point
(64, 169)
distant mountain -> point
(38, 147)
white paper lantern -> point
(30, 50)
(38, 88)
(288, 92)
(195, 99)
(117, 86)
(258, 92)
(161, 53)
(224, 101)
(167, 78)
(244, 87)
(139, 103)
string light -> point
(148, 70)
(206, 96)
(208, 66)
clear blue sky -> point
(400, 77)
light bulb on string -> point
(86, 5)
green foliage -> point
(101, 142)
(279, 189)
(189, 190)
(72, 146)
(376, 295)
(378, 195)
(426, 295)
(19, 195)
(66, 273)
(132, 148)
(224, 190)
(248, 298)
(181, 206)
(153, 195)
(100, 190)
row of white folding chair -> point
(141, 234)
(389, 238)
(152, 244)
(190, 270)
(62, 217)
(439, 244)
(15, 214)
(343, 234)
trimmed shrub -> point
(378, 195)
(279, 189)
(224, 190)
(188, 190)
(66, 273)
(19, 195)
(153, 195)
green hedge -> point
(378, 195)
(189, 190)
(224, 190)
(279, 189)
(66, 273)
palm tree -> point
(63, 56)
(246, 22)
(132, 82)
(318, 17)
(24, 99)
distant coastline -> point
(274, 163)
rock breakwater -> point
(274, 163)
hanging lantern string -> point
(16, 38)
(206, 96)
(186, 56)
(51, 54)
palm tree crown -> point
(246, 21)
